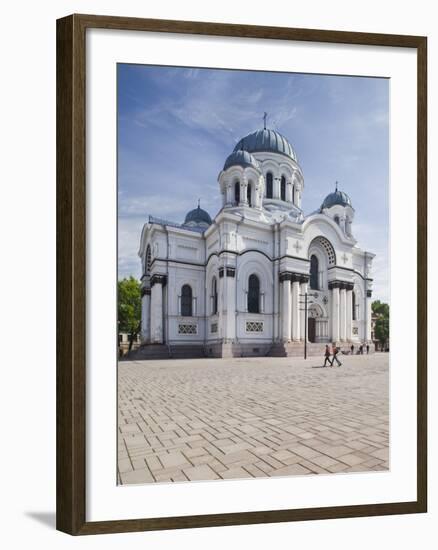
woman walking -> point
(327, 356)
(335, 353)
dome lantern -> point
(241, 158)
(198, 218)
(337, 205)
(266, 140)
(336, 198)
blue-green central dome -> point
(337, 197)
(241, 158)
(266, 141)
(197, 216)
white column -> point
(227, 286)
(243, 190)
(335, 314)
(349, 314)
(368, 316)
(342, 314)
(276, 188)
(289, 191)
(146, 315)
(277, 292)
(303, 320)
(295, 310)
(258, 195)
(230, 198)
(157, 311)
(286, 309)
(342, 223)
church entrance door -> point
(311, 329)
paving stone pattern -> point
(205, 419)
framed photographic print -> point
(241, 274)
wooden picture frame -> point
(71, 273)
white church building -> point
(236, 285)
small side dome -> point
(241, 158)
(337, 197)
(198, 217)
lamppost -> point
(306, 304)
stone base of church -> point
(237, 349)
(296, 349)
(234, 349)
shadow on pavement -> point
(46, 518)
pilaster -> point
(295, 309)
(145, 315)
(286, 308)
(157, 318)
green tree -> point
(380, 308)
(129, 307)
(381, 329)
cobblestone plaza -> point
(205, 419)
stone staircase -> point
(163, 351)
(148, 351)
(296, 349)
(196, 351)
(187, 351)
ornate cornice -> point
(145, 292)
(294, 277)
(350, 269)
(158, 279)
(342, 285)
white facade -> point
(236, 284)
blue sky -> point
(177, 125)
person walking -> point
(368, 349)
(335, 354)
(352, 349)
(361, 349)
(327, 356)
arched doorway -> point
(317, 324)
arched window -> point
(337, 219)
(314, 268)
(214, 296)
(283, 188)
(354, 305)
(237, 192)
(248, 194)
(148, 261)
(186, 301)
(253, 294)
(269, 185)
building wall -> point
(251, 247)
